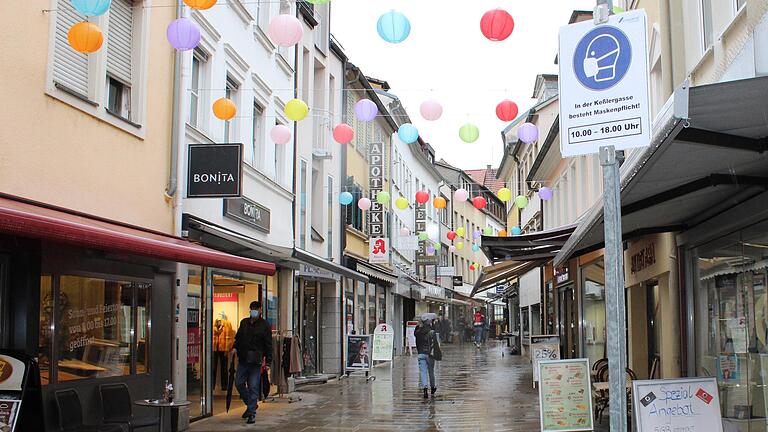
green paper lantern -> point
(521, 201)
(437, 246)
(469, 133)
(382, 197)
(423, 236)
(318, 2)
(487, 231)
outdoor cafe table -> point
(161, 405)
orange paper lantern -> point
(85, 37)
(224, 109)
(503, 233)
(200, 4)
(439, 203)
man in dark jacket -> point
(253, 344)
(425, 338)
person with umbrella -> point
(426, 344)
(253, 346)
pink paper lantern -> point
(460, 195)
(343, 133)
(285, 30)
(364, 204)
(497, 24)
(404, 232)
(545, 193)
(280, 134)
(431, 110)
(528, 133)
(506, 110)
(452, 248)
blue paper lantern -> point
(345, 198)
(516, 231)
(393, 27)
(475, 248)
(408, 133)
(92, 7)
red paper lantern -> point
(497, 24)
(422, 197)
(343, 133)
(479, 202)
(472, 267)
(506, 110)
(451, 235)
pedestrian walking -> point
(426, 344)
(478, 326)
(461, 327)
(253, 345)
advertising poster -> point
(358, 352)
(728, 367)
(688, 404)
(565, 395)
(544, 347)
(383, 343)
(9, 414)
(410, 333)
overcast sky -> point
(448, 59)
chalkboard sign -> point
(565, 395)
(686, 404)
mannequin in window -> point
(223, 340)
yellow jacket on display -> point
(223, 336)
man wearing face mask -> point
(253, 345)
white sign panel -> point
(687, 404)
(383, 343)
(446, 271)
(604, 85)
(544, 347)
(378, 252)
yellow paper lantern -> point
(439, 203)
(504, 194)
(200, 4)
(401, 203)
(460, 245)
(224, 109)
(296, 109)
(461, 231)
(85, 37)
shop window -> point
(93, 327)
(382, 310)
(594, 310)
(372, 308)
(349, 305)
(272, 303)
(360, 316)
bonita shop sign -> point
(214, 170)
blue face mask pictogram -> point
(602, 58)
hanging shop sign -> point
(562, 274)
(543, 347)
(248, 212)
(314, 272)
(379, 243)
(644, 258)
(686, 404)
(358, 352)
(378, 251)
(458, 281)
(565, 396)
(604, 85)
(383, 343)
(214, 170)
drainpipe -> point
(177, 132)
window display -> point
(593, 284)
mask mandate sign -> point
(604, 85)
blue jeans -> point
(426, 371)
(248, 381)
(478, 335)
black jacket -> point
(254, 335)
(424, 336)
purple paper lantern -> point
(476, 234)
(545, 193)
(528, 133)
(183, 34)
(366, 110)
(431, 250)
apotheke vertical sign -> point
(214, 170)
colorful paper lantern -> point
(85, 37)
(487, 231)
(497, 24)
(469, 133)
(472, 267)
(476, 234)
(451, 235)
(504, 194)
(545, 193)
(503, 233)
(431, 250)
(528, 133)
(224, 109)
(393, 27)
(423, 236)
(461, 231)
(280, 134)
(521, 201)
(364, 204)
(91, 7)
(345, 198)
(382, 197)
(343, 133)
(200, 4)
(366, 110)
(285, 30)
(318, 2)
(438, 246)
(183, 34)
(475, 248)
(404, 232)
(451, 248)
(422, 197)
(408, 133)
(431, 110)
(460, 195)
(296, 110)
(516, 231)
(439, 203)
(401, 203)
(479, 202)
(506, 110)
(460, 245)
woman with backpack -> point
(429, 351)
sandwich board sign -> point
(383, 342)
(686, 404)
(543, 347)
(565, 395)
(604, 85)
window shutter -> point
(120, 40)
(70, 68)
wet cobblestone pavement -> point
(478, 390)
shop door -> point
(197, 384)
(309, 328)
(409, 312)
(654, 330)
(567, 321)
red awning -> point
(30, 219)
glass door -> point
(196, 365)
(309, 328)
(567, 320)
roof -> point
(487, 178)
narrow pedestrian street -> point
(478, 390)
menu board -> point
(686, 404)
(565, 396)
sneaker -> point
(434, 389)
(251, 419)
(246, 413)
(425, 393)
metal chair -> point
(116, 406)
(71, 414)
